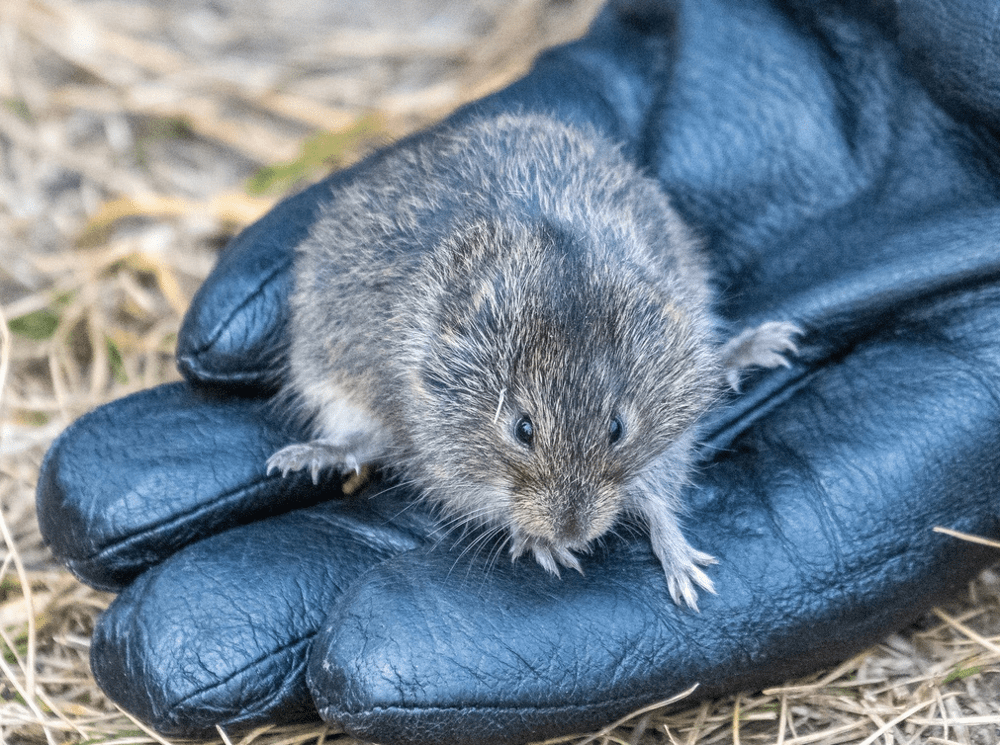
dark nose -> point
(571, 525)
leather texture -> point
(840, 161)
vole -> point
(512, 316)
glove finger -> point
(218, 633)
(929, 260)
(820, 514)
(131, 482)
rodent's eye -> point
(615, 431)
(524, 430)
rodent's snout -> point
(573, 520)
(570, 526)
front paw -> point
(316, 456)
(679, 559)
(548, 556)
(683, 573)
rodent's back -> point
(359, 262)
(507, 265)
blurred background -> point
(138, 136)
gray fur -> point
(514, 266)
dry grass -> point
(129, 133)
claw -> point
(543, 556)
(316, 456)
(549, 557)
(565, 557)
(681, 562)
(518, 545)
(351, 464)
(683, 592)
(762, 346)
(682, 577)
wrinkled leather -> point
(840, 161)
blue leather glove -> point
(841, 161)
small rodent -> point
(511, 316)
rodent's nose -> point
(570, 526)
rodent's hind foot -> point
(316, 455)
(549, 557)
(761, 346)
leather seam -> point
(236, 496)
(305, 639)
(269, 278)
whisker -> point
(503, 393)
(499, 550)
(476, 545)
